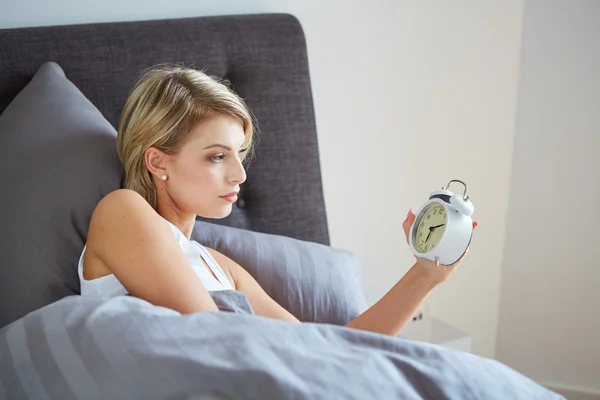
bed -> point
(61, 92)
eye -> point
(218, 158)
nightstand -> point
(436, 331)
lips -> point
(231, 197)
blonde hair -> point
(161, 110)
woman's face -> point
(206, 173)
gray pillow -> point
(314, 282)
(58, 160)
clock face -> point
(430, 228)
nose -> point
(237, 174)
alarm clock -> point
(443, 227)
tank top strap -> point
(178, 234)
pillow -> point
(59, 159)
(314, 282)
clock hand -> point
(430, 230)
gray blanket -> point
(125, 348)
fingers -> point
(410, 218)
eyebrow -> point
(223, 146)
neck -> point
(183, 222)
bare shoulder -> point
(121, 205)
(122, 215)
(100, 229)
(122, 201)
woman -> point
(182, 138)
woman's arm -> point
(139, 248)
(387, 316)
(396, 308)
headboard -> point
(262, 55)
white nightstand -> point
(433, 330)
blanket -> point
(127, 348)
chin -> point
(220, 213)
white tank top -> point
(109, 285)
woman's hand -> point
(439, 273)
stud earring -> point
(164, 177)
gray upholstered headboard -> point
(263, 56)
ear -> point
(155, 161)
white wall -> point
(408, 95)
(452, 116)
(549, 310)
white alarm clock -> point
(443, 227)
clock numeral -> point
(422, 224)
(435, 211)
(426, 247)
(429, 216)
